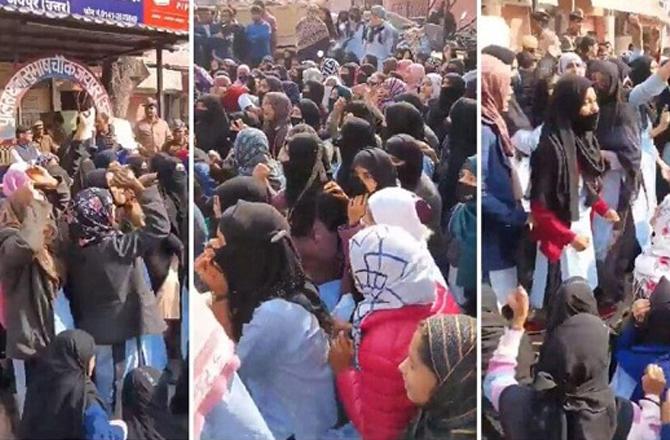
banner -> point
(164, 14)
(167, 14)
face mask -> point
(296, 121)
(586, 123)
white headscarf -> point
(567, 58)
(312, 74)
(436, 83)
(396, 206)
(391, 270)
(654, 262)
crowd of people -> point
(335, 233)
(574, 211)
(93, 239)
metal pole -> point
(159, 79)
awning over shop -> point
(172, 82)
(24, 37)
(650, 8)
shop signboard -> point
(163, 14)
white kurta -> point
(573, 263)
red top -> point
(374, 396)
(551, 232)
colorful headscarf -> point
(452, 346)
(496, 85)
(92, 211)
(394, 87)
(15, 178)
(391, 269)
(251, 148)
(329, 67)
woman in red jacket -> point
(401, 286)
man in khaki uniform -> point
(44, 141)
(574, 31)
(151, 132)
(548, 41)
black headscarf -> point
(212, 127)
(504, 54)
(305, 170)
(617, 126)
(311, 115)
(145, 408)
(241, 188)
(640, 71)
(260, 263)
(439, 108)
(379, 164)
(60, 390)
(96, 178)
(355, 134)
(567, 147)
(574, 296)
(656, 329)
(139, 165)
(173, 186)
(406, 151)
(104, 158)
(575, 368)
(462, 144)
(314, 91)
(404, 118)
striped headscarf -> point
(450, 341)
(394, 87)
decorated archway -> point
(30, 74)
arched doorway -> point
(30, 74)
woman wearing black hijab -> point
(459, 145)
(314, 91)
(211, 125)
(356, 134)
(309, 114)
(62, 402)
(408, 158)
(453, 88)
(404, 118)
(565, 172)
(619, 139)
(276, 318)
(240, 188)
(304, 169)
(575, 296)
(570, 397)
(145, 408)
(374, 168)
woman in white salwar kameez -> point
(565, 169)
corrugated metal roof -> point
(90, 20)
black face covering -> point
(586, 123)
(465, 193)
(295, 121)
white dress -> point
(573, 263)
